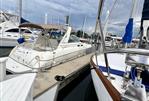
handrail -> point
(129, 51)
(113, 92)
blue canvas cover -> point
(127, 38)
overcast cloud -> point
(34, 11)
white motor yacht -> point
(52, 47)
(9, 36)
(9, 30)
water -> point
(80, 89)
(5, 51)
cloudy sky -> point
(35, 10)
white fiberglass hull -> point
(101, 92)
(49, 95)
(7, 42)
(22, 59)
(23, 85)
(104, 86)
(116, 61)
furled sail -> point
(128, 32)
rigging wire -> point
(110, 12)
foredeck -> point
(46, 80)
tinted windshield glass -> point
(13, 30)
(73, 38)
(48, 40)
(27, 31)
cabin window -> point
(108, 39)
(27, 31)
(13, 30)
(16, 30)
(73, 38)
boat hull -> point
(103, 86)
(8, 43)
(116, 86)
(100, 89)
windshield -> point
(48, 40)
(73, 38)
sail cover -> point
(24, 20)
(128, 32)
(145, 12)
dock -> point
(46, 80)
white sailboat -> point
(122, 74)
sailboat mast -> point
(67, 22)
(20, 15)
(83, 27)
(20, 11)
(46, 18)
(98, 15)
(100, 25)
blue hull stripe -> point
(112, 71)
(121, 73)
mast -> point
(67, 22)
(20, 11)
(100, 5)
(99, 23)
(20, 15)
(58, 21)
(98, 15)
(46, 18)
(83, 27)
(51, 19)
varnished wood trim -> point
(110, 88)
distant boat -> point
(9, 31)
(52, 47)
(9, 36)
(122, 74)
